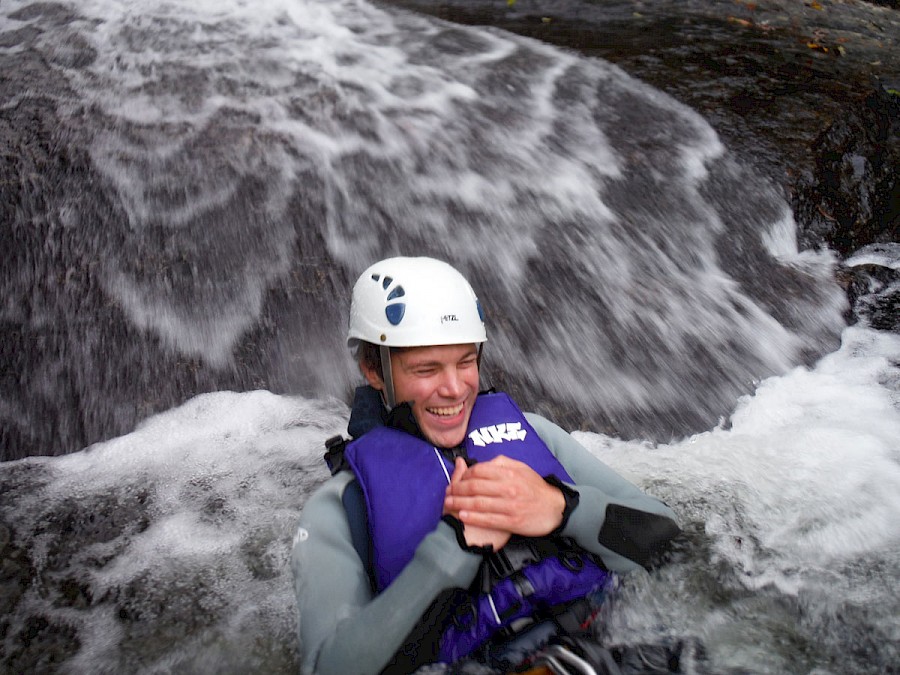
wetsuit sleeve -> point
(343, 628)
(614, 518)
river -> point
(190, 190)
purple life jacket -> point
(404, 479)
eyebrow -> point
(425, 364)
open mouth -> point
(446, 412)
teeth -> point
(446, 412)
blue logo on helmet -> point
(394, 312)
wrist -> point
(570, 498)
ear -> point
(373, 377)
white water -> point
(796, 505)
(631, 270)
(799, 500)
(600, 218)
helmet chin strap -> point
(387, 376)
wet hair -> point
(369, 355)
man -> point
(455, 526)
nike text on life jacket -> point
(498, 433)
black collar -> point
(368, 412)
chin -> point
(446, 439)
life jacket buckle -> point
(523, 585)
(571, 560)
(512, 558)
(499, 565)
(334, 454)
(465, 615)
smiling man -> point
(440, 383)
(456, 528)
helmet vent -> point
(394, 313)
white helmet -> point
(414, 302)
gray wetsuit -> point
(345, 628)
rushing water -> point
(217, 174)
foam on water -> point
(595, 206)
(813, 457)
(598, 220)
(797, 507)
(180, 531)
(885, 255)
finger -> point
(484, 488)
(489, 468)
(459, 469)
(486, 520)
(500, 468)
(481, 504)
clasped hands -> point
(502, 497)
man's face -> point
(441, 384)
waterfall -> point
(227, 170)
(194, 186)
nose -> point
(452, 384)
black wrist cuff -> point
(571, 497)
(459, 531)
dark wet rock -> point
(852, 196)
(52, 13)
(872, 279)
(87, 586)
(74, 593)
(78, 523)
(770, 76)
(14, 38)
(72, 51)
(40, 646)
(806, 93)
(16, 576)
(874, 293)
(850, 202)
